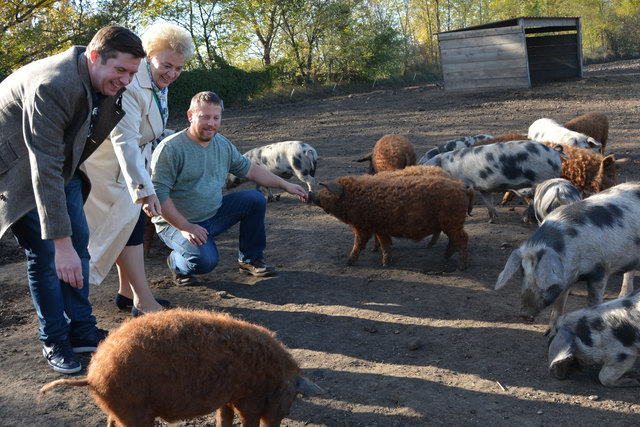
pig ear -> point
(333, 187)
(608, 161)
(549, 270)
(622, 162)
(593, 143)
(306, 387)
(561, 353)
(514, 263)
(560, 150)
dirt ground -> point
(414, 344)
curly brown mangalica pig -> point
(412, 206)
(590, 172)
(594, 124)
(179, 364)
(391, 152)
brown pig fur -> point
(594, 124)
(391, 152)
(178, 364)
(590, 172)
(408, 206)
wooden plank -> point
(501, 72)
(480, 33)
(483, 41)
(550, 22)
(538, 30)
(484, 56)
(482, 84)
(487, 67)
(579, 47)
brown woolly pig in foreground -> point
(590, 172)
(404, 206)
(180, 364)
(391, 152)
(594, 124)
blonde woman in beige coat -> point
(119, 170)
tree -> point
(262, 18)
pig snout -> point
(312, 197)
(532, 304)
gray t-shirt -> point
(193, 176)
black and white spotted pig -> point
(548, 196)
(454, 144)
(607, 334)
(588, 240)
(285, 159)
(501, 166)
(547, 130)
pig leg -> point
(627, 284)
(434, 238)
(385, 244)
(224, 416)
(149, 232)
(360, 240)
(507, 197)
(557, 310)
(487, 199)
(616, 374)
(249, 412)
(595, 291)
(458, 241)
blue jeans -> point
(63, 311)
(247, 207)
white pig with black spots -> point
(285, 159)
(607, 334)
(588, 240)
(500, 167)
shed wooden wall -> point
(487, 58)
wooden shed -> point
(512, 53)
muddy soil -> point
(417, 343)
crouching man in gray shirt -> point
(189, 171)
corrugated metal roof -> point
(559, 23)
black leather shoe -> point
(126, 303)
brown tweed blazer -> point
(45, 113)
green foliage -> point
(233, 85)
(300, 42)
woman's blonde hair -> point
(166, 35)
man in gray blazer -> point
(53, 114)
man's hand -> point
(196, 234)
(68, 264)
(151, 205)
(296, 190)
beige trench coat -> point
(119, 176)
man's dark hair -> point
(205, 97)
(111, 40)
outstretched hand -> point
(296, 190)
